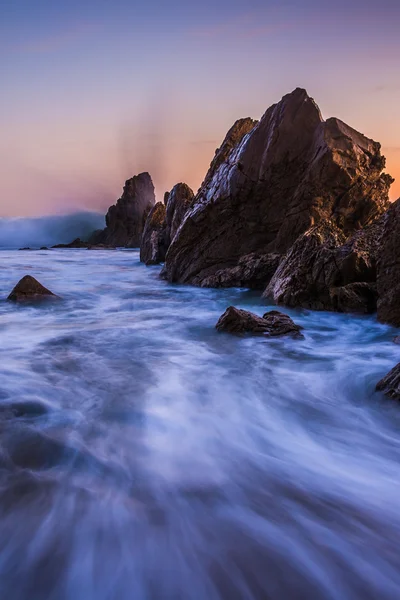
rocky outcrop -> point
(163, 222)
(253, 271)
(28, 289)
(388, 268)
(270, 182)
(125, 220)
(77, 243)
(272, 324)
(390, 384)
(324, 272)
(154, 240)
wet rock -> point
(154, 240)
(390, 384)
(44, 248)
(322, 271)
(24, 408)
(272, 324)
(253, 271)
(388, 268)
(270, 182)
(29, 289)
(27, 248)
(77, 243)
(126, 219)
(178, 202)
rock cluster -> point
(272, 324)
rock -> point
(100, 247)
(126, 219)
(270, 182)
(178, 202)
(44, 248)
(25, 248)
(388, 268)
(324, 272)
(154, 240)
(396, 340)
(272, 324)
(253, 271)
(29, 289)
(390, 384)
(77, 243)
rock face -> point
(252, 271)
(390, 384)
(77, 243)
(154, 240)
(388, 269)
(323, 272)
(29, 289)
(272, 324)
(270, 182)
(125, 220)
(178, 202)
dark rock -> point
(77, 243)
(272, 324)
(126, 219)
(44, 248)
(29, 289)
(154, 240)
(101, 247)
(390, 384)
(166, 196)
(324, 272)
(270, 182)
(24, 408)
(388, 268)
(253, 271)
(179, 200)
(25, 248)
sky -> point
(94, 92)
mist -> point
(49, 230)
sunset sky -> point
(94, 91)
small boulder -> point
(390, 384)
(271, 324)
(29, 289)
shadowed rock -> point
(77, 243)
(178, 202)
(253, 271)
(390, 384)
(388, 268)
(154, 240)
(270, 182)
(29, 289)
(272, 324)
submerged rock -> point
(270, 182)
(154, 240)
(388, 268)
(324, 272)
(29, 289)
(125, 220)
(272, 324)
(390, 384)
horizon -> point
(94, 94)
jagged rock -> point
(77, 243)
(29, 289)
(388, 268)
(253, 271)
(270, 182)
(323, 272)
(125, 220)
(390, 384)
(154, 240)
(179, 200)
(272, 324)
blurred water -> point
(145, 456)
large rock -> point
(178, 202)
(322, 271)
(253, 271)
(29, 289)
(154, 239)
(270, 182)
(390, 384)
(77, 243)
(272, 324)
(125, 220)
(388, 275)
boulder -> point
(390, 384)
(178, 202)
(154, 239)
(388, 268)
(29, 289)
(322, 271)
(272, 324)
(273, 180)
(253, 271)
(125, 220)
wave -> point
(48, 230)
